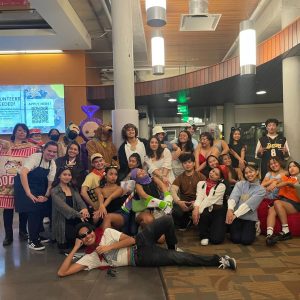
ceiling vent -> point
(198, 18)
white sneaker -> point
(204, 242)
(179, 249)
(46, 220)
(227, 262)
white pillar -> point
(144, 122)
(229, 119)
(122, 32)
(291, 86)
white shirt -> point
(33, 161)
(140, 149)
(215, 196)
(165, 161)
(116, 258)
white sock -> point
(285, 228)
(270, 230)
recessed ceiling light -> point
(261, 92)
(172, 100)
(179, 113)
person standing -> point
(32, 189)
(12, 156)
(132, 144)
(271, 145)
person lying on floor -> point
(111, 248)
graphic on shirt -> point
(12, 166)
(244, 197)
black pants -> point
(35, 224)
(151, 255)
(8, 216)
(242, 232)
(181, 218)
(212, 225)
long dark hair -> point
(50, 143)
(294, 162)
(209, 156)
(56, 180)
(250, 165)
(103, 181)
(150, 153)
(77, 159)
(138, 159)
(189, 147)
(277, 159)
(23, 126)
(221, 180)
(231, 140)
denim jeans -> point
(151, 255)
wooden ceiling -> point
(200, 48)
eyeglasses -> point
(83, 235)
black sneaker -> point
(7, 241)
(37, 246)
(227, 262)
(43, 240)
(271, 240)
(23, 236)
(284, 236)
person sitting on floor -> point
(89, 191)
(159, 161)
(112, 195)
(288, 202)
(111, 248)
(134, 161)
(235, 174)
(209, 212)
(183, 191)
(242, 207)
(273, 177)
(68, 209)
(146, 202)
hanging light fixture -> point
(156, 13)
(158, 53)
(247, 48)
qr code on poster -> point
(40, 115)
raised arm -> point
(68, 267)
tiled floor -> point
(27, 274)
(263, 272)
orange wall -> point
(66, 68)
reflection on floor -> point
(263, 272)
(29, 275)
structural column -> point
(144, 122)
(122, 32)
(291, 86)
(228, 119)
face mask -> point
(72, 135)
(54, 137)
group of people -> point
(125, 202)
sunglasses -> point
(83, 235)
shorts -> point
(295, 204)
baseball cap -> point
(96, 155)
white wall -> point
(254, 113)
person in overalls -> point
(32, 189)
